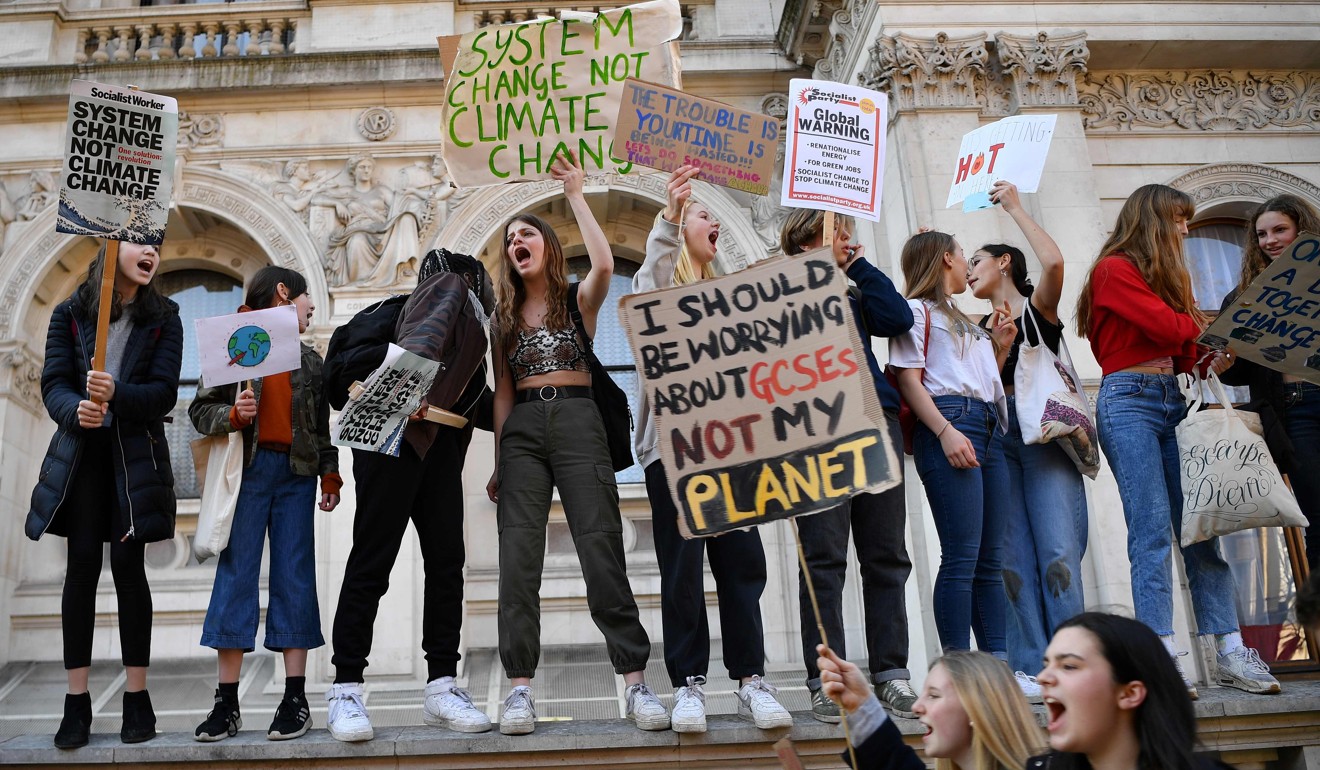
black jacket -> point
(885, 750)
(146, 390)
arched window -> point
(199, 294)
(611, 341)
(1214, 258)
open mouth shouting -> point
(1054, 711)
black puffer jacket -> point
(146, 389)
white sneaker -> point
(1244, 670)
(450, 706)
(519, 717)
(1029, 687)
(1191, 688)
(348, 720)
(756, 701)
(643, 707)
(689, 715)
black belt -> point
(552, 393)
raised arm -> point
(1047, 294)
(591, 295)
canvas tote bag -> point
(219, 462)
(1050, 403)
(1229, 480)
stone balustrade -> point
(506, 13)
(217, 35)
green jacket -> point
(311, 453)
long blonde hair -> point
(1303, 216)
(1004, 731)
(923, 271)
(686, 269)
(1147, 235)
(510, 292)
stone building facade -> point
(308, 121)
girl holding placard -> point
(1136, 308)
(285, 420)
(106, 477)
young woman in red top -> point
(1137, 310)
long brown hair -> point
(923, 271)
(1004, 732)
(1303, 216)
(510, 293)
(1146, 235)
(802, 226)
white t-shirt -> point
(956, 364)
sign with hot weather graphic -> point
(1012, 149)
(242, 346)
(118, 163)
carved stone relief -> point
(1219, 182)
(1043, 69)
(376, 124)
(1206, 100)
(845, 28)
(20, 376)
(206, 130)
(922, 72)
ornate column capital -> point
(1044, 69)
(934, 72)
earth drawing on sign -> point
(249, 346)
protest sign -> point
(666, 128)
(118, 163)
(1276, 320)
(519, 95)
(1012, 149)
(375, 416)
(835, 154)
(762, 400)
(242, 346)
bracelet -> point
(941, 430)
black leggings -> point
(87, 513)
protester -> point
(106, 477)
(1045, 531)
(974, 714)
(681, 250)
(948, 373)
(424, 485)
(1136, 308)
(285, 422)
(549, 433)
(1271, 229)
(877, 521)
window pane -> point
(1214, 258)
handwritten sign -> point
(1012, 149)
(519, 95)
(118, 163)
(835, 154)
(760, 392)
(375, 417)
(665, 128)
(1276, 320)
(242, 346)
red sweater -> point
(1130, 325)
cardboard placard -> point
(519, 95)
(377, 413)
(665, 128)
(762, 399)
(243, 346)
(1276, 320)
(1013, 149)
(835, 154)
(118, 171)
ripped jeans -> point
(1046, 537)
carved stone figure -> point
(362, 222)
(297, 185)
(418, 202)
(42, 192)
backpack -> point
(609, 397)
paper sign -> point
(762, 400)
(1276, 320)
(665, 128)
(118, 163)
(243, 346)
(519, 95)
(1012, 149)
(376, 417)
(835, 154)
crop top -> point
(542, 351)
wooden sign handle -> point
(109, 267)
(827, 231)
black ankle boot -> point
(76, 725)
(139, 718)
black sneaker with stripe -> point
(292, 719)
(223, 721)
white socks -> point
(1170, 644)
(1226, 643)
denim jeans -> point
(879, 528)
(271, 496)
(1046, 539)
(1302, 418)
(970, 510)
(1136, 416)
